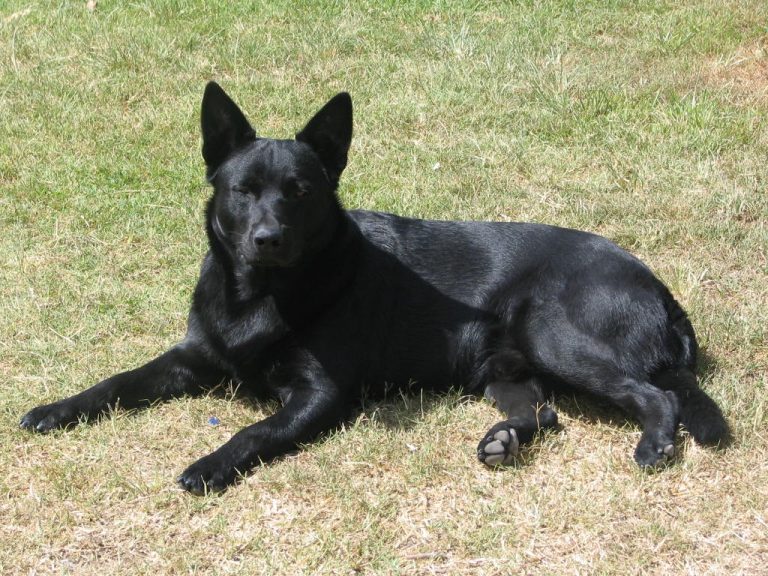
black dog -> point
(316, 304)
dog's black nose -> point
(268, 237)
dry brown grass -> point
(379, 498)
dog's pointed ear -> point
(224, 127)
(329, 133)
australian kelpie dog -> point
(316, 304)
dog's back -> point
(432, 300)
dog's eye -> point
(293, 189)
(239, 189)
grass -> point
(643, 121)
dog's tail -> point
(700, 415)
(698, 412)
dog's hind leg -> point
(517, 393)
(656, 410)
(592, 365)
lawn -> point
(644, 121)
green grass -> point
(643, 121)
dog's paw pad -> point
(499, 446)
(502, 436)
(495, 447)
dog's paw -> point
(499, 446)
(654, 452)
(51, 416)
(208, 475)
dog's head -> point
(274, 200)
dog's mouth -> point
(250, 256)
(267, 260)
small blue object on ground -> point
(213, 421)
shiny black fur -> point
(316, 304)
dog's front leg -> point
(181, 370)
(308, 411)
